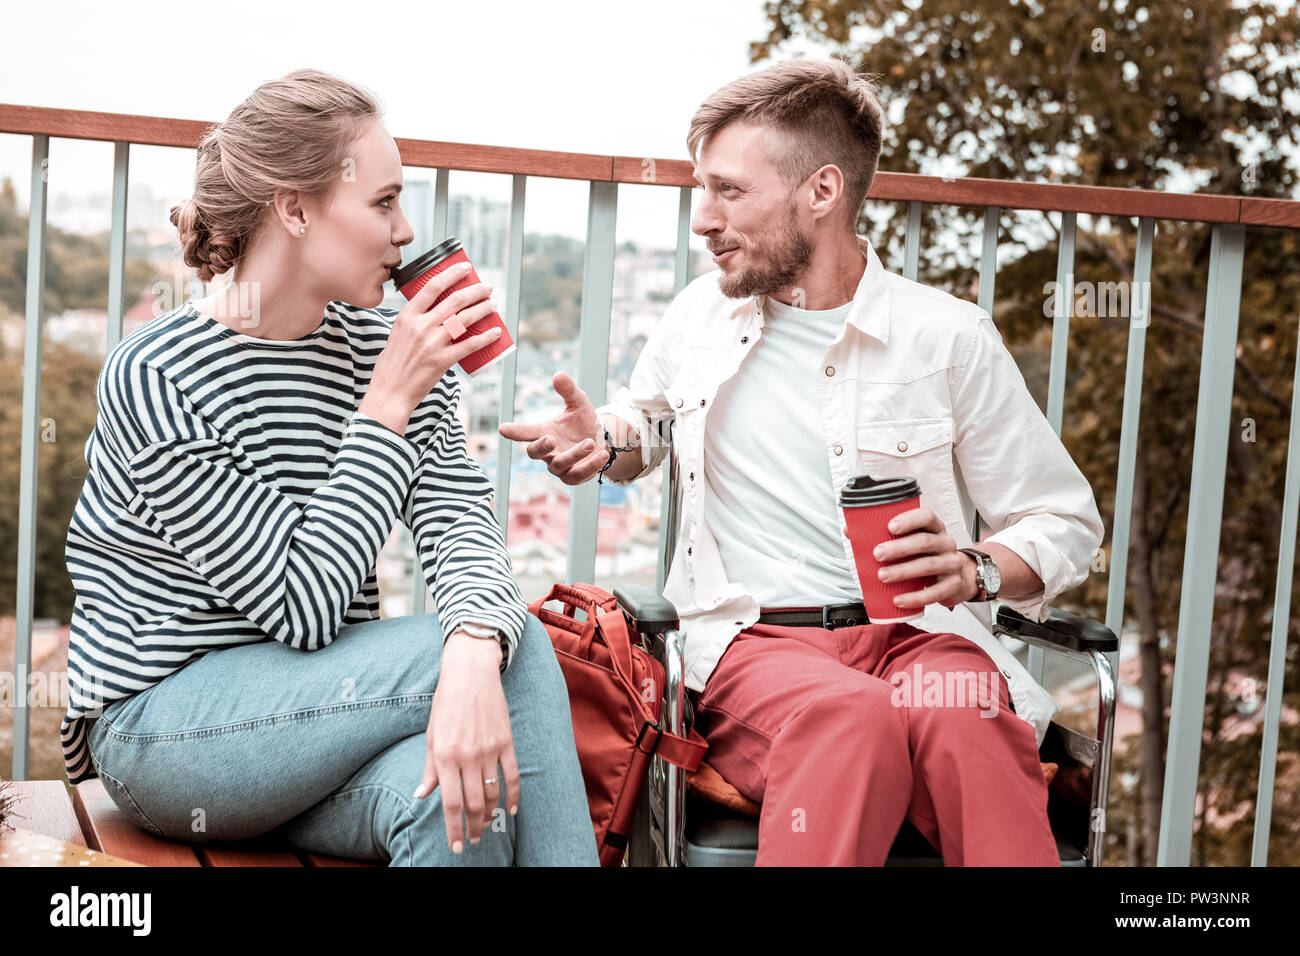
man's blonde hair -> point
(823, 111)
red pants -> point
(842, 734)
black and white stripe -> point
(235, 495)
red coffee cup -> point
(411, 278)
(868, 505)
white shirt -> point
(772, 508)
(916, 382)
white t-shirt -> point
(772, 505)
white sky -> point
(616, 76)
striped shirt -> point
(235, 495)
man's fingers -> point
(540, 448)
(518, 431)
(589, 467)
(566, 459)
(568, 390)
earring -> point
(302, 230)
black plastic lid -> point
(865, 490)
(422, 263)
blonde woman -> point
(229, 672)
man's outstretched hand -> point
(572, 443)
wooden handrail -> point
(900, 187)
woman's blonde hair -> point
(823, 111)
(292, 133)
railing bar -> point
(438, 232)
(1201, 553)
(510, 364)
(1277, 651)
(117, 245)
(667, 513)
(593, 364)
(988, 275)
(1056, 376)
(1139, 320)
(912, 244)
(29, 460)
(1061, 320)
(441, 204)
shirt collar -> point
(869, 311)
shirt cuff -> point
(645, 432)
(1052, 566)
(503, 635)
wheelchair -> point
(676, 827)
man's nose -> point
(706, 219)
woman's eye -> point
(387, 199)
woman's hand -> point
(921, 536)
(468, 736)
(420, 350)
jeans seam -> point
(131, 800)
(304, 714)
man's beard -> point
(776, 264)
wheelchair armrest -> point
(1062, 629)
(650, 611)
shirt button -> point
(679, 403)
(902, 446)
(690, 550)
(702, 402)
(692, 476)
(839, 449)
(830, 369)
(744, 339)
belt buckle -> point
(826, 615)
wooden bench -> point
(91, 819)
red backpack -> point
(615, 693)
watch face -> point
(994, 576)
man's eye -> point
(387, 199)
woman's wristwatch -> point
(487, 632)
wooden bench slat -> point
(43, 806)
(213, 855)
(317, 859)
(109, 830)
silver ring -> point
(490, 780)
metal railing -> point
(1229, 216)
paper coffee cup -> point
(411, 278)
(869, 504)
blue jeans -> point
(328, 746)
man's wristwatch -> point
(988, 579)
(487, 632)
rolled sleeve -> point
(642, 403)
(1018, 474)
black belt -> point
(830, 617)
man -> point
(797, 366)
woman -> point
(229, 672)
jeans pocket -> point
(123, 800)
